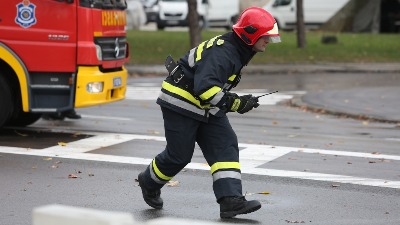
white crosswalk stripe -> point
(151, 93)
(251, 157)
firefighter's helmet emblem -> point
(26, 14)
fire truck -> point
(57, 55)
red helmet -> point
(255, 22)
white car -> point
(212, 13)
(316, 12)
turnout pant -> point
(218, 143)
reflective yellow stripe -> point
(211, 92)
(224, 165)
(200, 50)
(176, 90)
(211, 41)
(220, 42)
(158, 172)
(235, 105)
(232, 78)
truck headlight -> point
(98, 53)
(95, 87)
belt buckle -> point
(177, 79)
(174, 70)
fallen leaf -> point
(62, 144)
(47, 158)
(173, 183)
(72, 175)
(376, 153)
(259, 193)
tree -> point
(194, 28)
(301, 30)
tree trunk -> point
(194, 28)
(301, 30)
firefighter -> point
(195, 98)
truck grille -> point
(112, 48)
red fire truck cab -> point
(57, 55)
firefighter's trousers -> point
(218, 143)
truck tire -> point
(160, 26)
(6, 105)
(24, 119)
(17, 116)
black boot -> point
(151, 197)
(72, 115)
(232, 206)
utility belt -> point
(176, 74)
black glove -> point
(240, 104)
(247, 103)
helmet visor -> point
(275, 39)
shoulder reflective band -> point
(199, 51)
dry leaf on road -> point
(173, 183)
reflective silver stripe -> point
(154, 177)
(217, 97)
(191, 57)
(226, 174)
(182, 104)
(214, 111)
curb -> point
(297, 102)
(142, 70)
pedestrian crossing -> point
(143, 93)
(253, 157)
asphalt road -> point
(317, 168)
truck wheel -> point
(24, 119)
(6, 106)
(17, 116)
(160, 26)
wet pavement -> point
(351, 98)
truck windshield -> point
(104, 4)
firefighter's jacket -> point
(210, 70)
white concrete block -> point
(67, 215)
